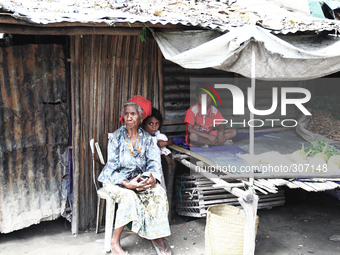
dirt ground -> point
(302, 226)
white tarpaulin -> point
(291, 57)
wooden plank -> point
(255, 187)
(172, 122)
(84, 165)
(269, 189)
(30, 30)
(160, 82)
(292, 185)
(193, 154)
(229, 185)
(74, 223)
(217, 201)
(76, 137)
(303, 186)
(267, 184)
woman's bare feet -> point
(117, 249)
(161, 246)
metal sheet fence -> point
(33, 134)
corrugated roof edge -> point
(310, 24)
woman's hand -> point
(152, 180)
(139, 186)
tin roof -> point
(211, 14)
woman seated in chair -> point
(132, 176)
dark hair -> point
(198, 90)
(157, 115)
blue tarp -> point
(223, 155)
(333, 4)
(315, 8)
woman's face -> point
(152, 125)
(131, 117)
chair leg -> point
(110, 211)
(100, 212)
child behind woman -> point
(152, 124)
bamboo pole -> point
(74, 226)
(145, 69)
(119, 64)
(160, 82)
(76, 137)
(134, 65)
(84, 141)
(154, 67)
(115, 91)
(140, 68)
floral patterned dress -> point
(147, 210)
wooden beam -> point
(193, 154)
(31, 30)
(76, 133)
(172, 122)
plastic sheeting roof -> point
(277, 58)
(278, 16)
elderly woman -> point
(132, 176)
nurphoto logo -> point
(238, 104)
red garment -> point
(143, 103)
(202, 123)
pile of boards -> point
(195, 193)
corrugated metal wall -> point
(33, 134)
(177, 98)
(107, 71)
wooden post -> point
(250, 210)
(160, 78)
(248, 201)
(76, 132)
(251, 128)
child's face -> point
(199, 98)
(152, 125)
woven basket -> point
(224, 232)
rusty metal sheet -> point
(33, 134)
(217, 15)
